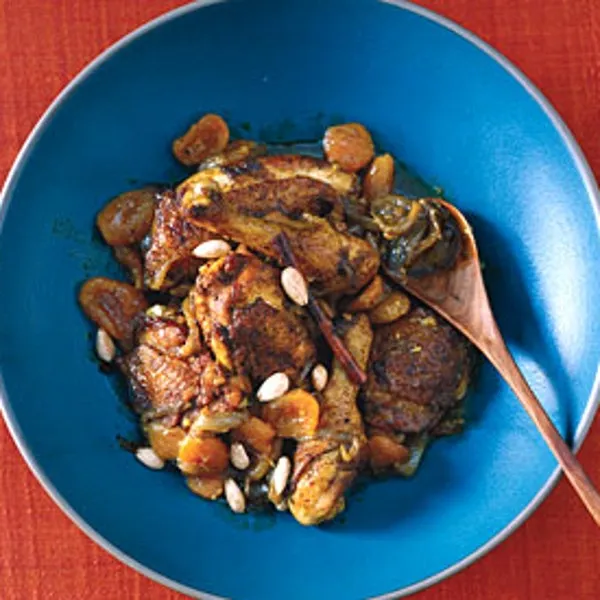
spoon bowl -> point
(458, 294)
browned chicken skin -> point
(246, 320)
(418, 368)
(168, 259)
(165, 383)
(253, 202)
(325, 466)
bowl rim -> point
(568, 140)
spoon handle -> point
(500, 357)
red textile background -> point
(43, 44)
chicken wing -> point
(325, 466)
(254, 201)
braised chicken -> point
(270, 350)
(168, 259)
(168, 383)
(419, 368)
(325, 466)
(301, 196)
(247, 321)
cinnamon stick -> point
(353, 370)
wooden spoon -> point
(458, 294)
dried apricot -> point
(257, 434)
(202, 455)
(349, 145)
(112, 305)
(206, 137)
(130, 258)
(127, 218)
(294, 415)
(379, 180)
(164, 440)
(385, 452)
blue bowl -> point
(444, 103)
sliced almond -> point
(280, 477)
(238, 456)
(105, 347)
(149, 458)
(294, 285)
(211, 249)
(273, 387)
(234, 496)
(319, 377)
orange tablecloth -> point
(43, 44)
